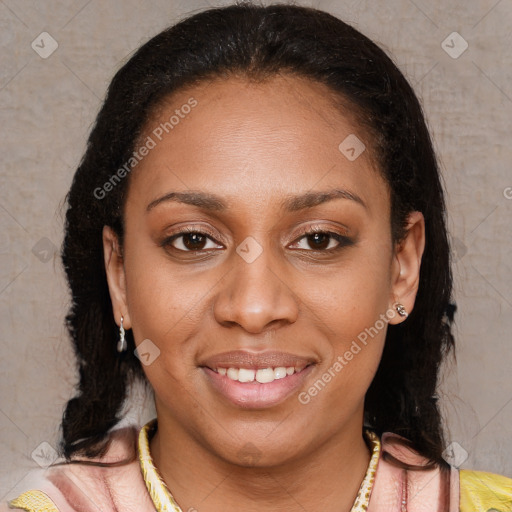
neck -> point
(326, 479)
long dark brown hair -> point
(259, 42)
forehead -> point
(242, 139)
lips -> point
(256, 360)
(256, 380)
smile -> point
(262, 375)
(262, 388)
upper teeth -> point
(264, 375)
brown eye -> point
(190, 241)
(194, 241)
(318, 240)
(322, 241)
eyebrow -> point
(213, 202)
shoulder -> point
(482, 491)
(105, 483)
(468, 490)
(404, 477)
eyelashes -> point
(190, 236)
(317, 240)
(319, 237)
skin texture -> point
(255, 145)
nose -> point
(256, 296)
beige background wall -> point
(48, 105)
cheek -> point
(167, 307)
(161, 307)
(356, 345)
(355, 313)
(159, 294)
(353, 297)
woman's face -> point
(221, 282)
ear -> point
(114, 267)
(405, 268)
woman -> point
(257, 230)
